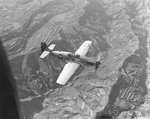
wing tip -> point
(88, 41)
(60, 82)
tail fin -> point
(45, 49)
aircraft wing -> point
(71, 67)
(84, 48)
(67, 72)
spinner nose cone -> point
(97, 65)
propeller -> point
(98, 61)
(97, 64)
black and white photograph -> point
(74, 59)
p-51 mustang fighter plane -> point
(74, 59)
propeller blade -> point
(97, 65)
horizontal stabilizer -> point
(52, 46)
(44, 54)
(46, 50)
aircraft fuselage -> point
(69, 56)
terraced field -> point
(119, 30)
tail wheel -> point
(60, 56)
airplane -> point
(74, 60)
